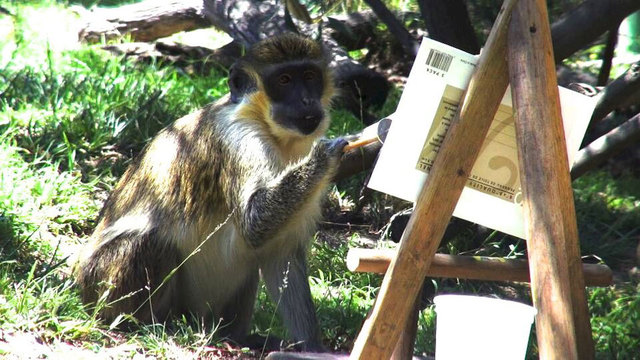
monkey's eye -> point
(284, 79)
(309, 75)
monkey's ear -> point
(240, 83)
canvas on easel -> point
(492, 196)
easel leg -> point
(406, 344)
(436, 202)
(557, 284)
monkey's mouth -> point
(305, 123)
(309, 123)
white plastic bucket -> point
(474, 327)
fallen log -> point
(181, 55)
(144, 21)
(149, 20)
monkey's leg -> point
(288, 285)
(236, 314)
(130, 263)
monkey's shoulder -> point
(219, 119)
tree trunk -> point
(448, 21)
(408, 43)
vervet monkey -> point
(221, 195)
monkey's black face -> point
(295, 90)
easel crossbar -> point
(468, 267)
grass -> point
(90, 100)
(72, 117)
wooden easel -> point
(520, 41)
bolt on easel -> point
(520, 41)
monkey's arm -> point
(269, 207)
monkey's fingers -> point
(359, 143)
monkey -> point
(221, 197)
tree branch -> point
(607, 56)
(409, 44)
(585, 23)
(606, 146)
(448, 21)
(622, 92)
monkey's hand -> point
(329, 151)
(269, 207)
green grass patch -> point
(615, 320)
(608, 216)
(70, 111)
(37, 200)
(42, 211)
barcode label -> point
(439, 60)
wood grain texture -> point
(406, 343)
(557, 283)
(435, 204)
(468, 267)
